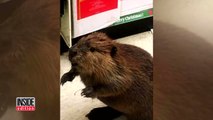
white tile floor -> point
(73, 105)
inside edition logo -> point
(25, 103)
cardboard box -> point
(86, 16)
(134, 6)
(92, 15)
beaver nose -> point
(72, 58)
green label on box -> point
(135, 16)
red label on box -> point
(86, 8)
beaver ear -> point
(113, 51)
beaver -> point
(119, 75)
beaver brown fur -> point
(119, 75)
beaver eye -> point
(92, 49)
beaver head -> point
(92, 53)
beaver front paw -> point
(65, 78)
(88, 92)
(69, 76)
